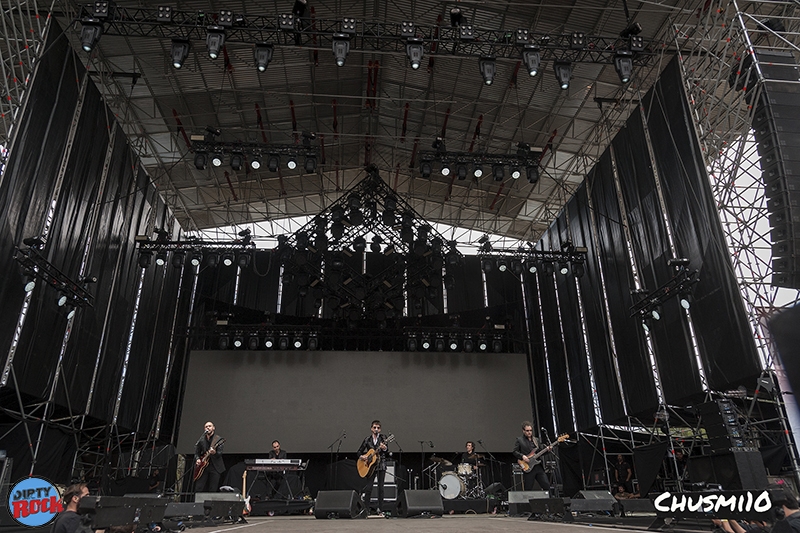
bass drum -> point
(451, 486)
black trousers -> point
(381, 474)
(208, 480)
(536, 473)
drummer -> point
(469, 456)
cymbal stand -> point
(431, 474)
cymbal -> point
(440, 460)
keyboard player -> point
(275, 479)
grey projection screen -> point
(308, 399)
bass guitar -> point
(367, 467)
(200, 468)
(533, 457)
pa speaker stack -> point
(776, 125)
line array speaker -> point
(776, 125)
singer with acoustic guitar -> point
(372, 461)
(208, 464)
(525, 448)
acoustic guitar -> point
(533, 457)
(200, 468)
(367, 467)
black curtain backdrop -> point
(634, 366)
(258, 285)
(647, 460)
(608, 391)
(572, 329)
(537, 359)
(720, 321)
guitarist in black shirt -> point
(524, 449)
(376, 442)
(208, 449)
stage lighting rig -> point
(461, 161)
(238, 153)
(530, 260)
(36, 267)
(650, 304)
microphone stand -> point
(421, 459)
(179, 481)
(398, 465)
(338, 443)
(491, 458)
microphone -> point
(544, 430)
(480, 441)
(431, 443)
(205, 432)
(344, 434)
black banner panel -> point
(258, 285)
(594, 312)
(466, 274)
(282, 395)
(537, 360)
(634, 366)
(720, 321)
(674, 355)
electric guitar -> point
(533, 457)
(247, 508)
(367, 467)
(200, 468)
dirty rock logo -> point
(34, 502)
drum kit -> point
(465, 481)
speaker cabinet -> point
(339, 504)
(417, 502)
(518, 500)
(593, 500)
(740, 470)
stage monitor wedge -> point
(419, 502)
(339, 504)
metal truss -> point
(712, 47)
(22, 34)
(288, 30)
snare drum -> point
(451, 486)
(464, 469)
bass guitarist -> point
(524, 449)
(208, 449)
(375, 441)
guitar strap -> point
(214, 441)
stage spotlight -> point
(286, 21)
(216, 159)
(563, 71)
(283, 343)
(623, 64)
(548, 267)
(212, 259)
(341, 47)
(356, 217)
(414, 51)
(636, 43)
(164, 14)
(178, 258)
(263, 55)
(337, 230)
(488, 66)
(255, 162)
(412, 344)
(530, 266)
(179, 52)
(531, 58)
(486, 265)
(533, 174)
(515, 172)
(359, 244)
(237, 161)
(273, 162)
(563, 268)
(497, 345)
(426, 342)
(313, 342)
(238, 341)
(516, 267)
(578, 270)
(227, 259)
(30, 281)
(252, 342)
(375, 246)
(243, 260)
(161, 258)
(200, 160)
(439, 344)
(655, 313)
(456, 17)
(482, 344)
(62, 299)
(502, 264)
(269, 342)
(224, 342)
(299, 7)
(196, 258)
(425, 168)
(469, 345)
(477, 170)
(144, 259)
(70, 311)
(577, 40)
(291, 164)
(453, 344)
(310, 164)
(461, 171)
(215, 40)
(445, 168)
(90, 34)
(645, 326)
(686, 299)
(297, 343)
(499, 172)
